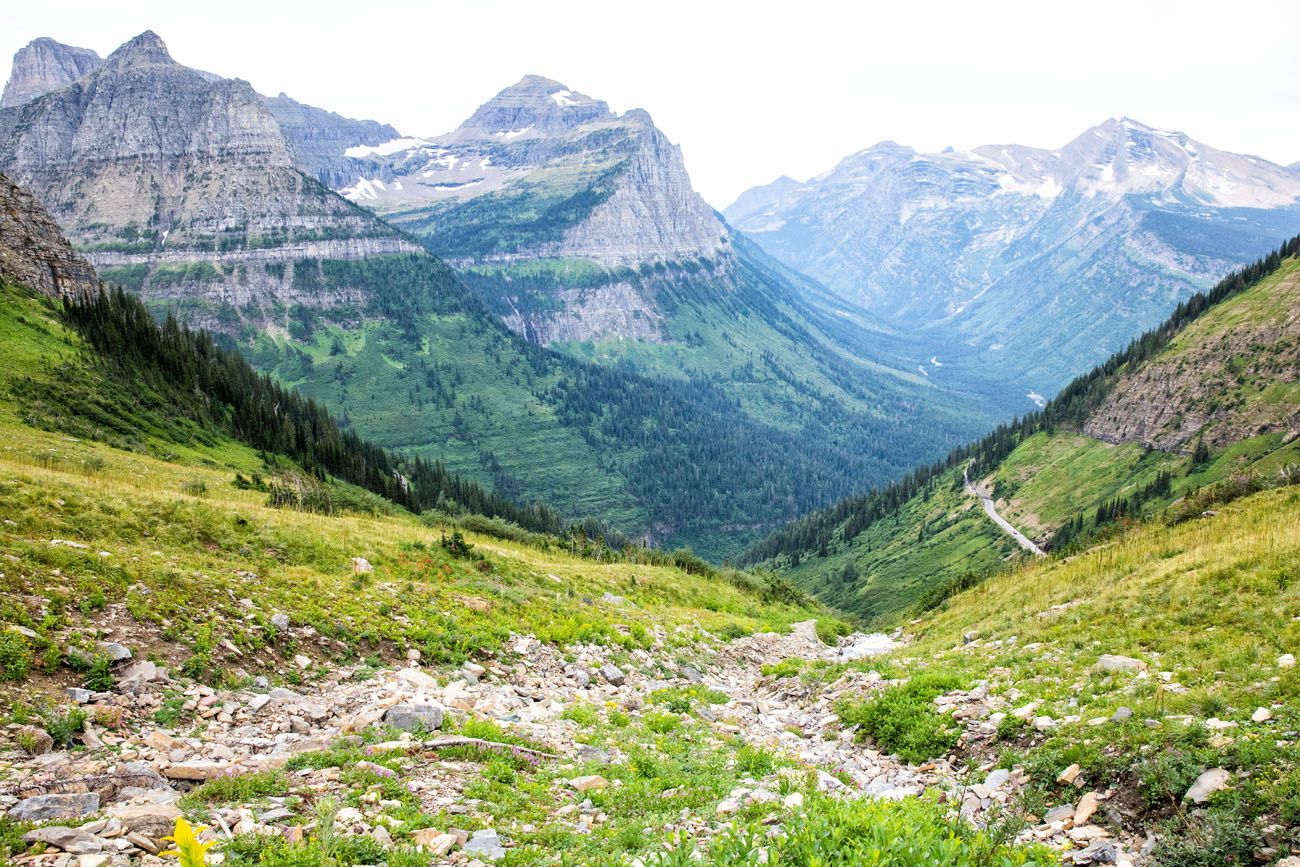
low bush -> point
(903, 719)
(837, 833)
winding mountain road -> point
(1021, 539)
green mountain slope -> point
(1203, 613)
(1210, 395)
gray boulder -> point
(485, 844)
(114, 651)
(71, 840)
(1115, 664)
(409, 716)
(613, 674)
(1207, 784)
(43, 808)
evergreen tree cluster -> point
(1069, 409)
(217, 388)
(1077, 528)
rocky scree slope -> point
(174, 642)
(1156, 671)
(33, 251)
(1021, 260)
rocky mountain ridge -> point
(216, 186)
(624, 183)
(319, 138)
(545, 185)
(1031, 262)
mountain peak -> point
(45, 65)
(534, 105)
(145, 49)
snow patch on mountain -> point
(397, 145)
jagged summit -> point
(145, 162)
(147, 48)
(534, 105)
(615, 190)
(45, 65)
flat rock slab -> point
(152, 820)
(410, 717)
(485, 844)
(195, 770)
(43, 808)
(1115, 664)
(71, 840)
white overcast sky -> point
(753, 90)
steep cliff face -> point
(1034, 263)
(146, 163)
(33, 252)
(541, 171)
(44, 66)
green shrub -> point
(242, 787)
(841, 833)
(583, 713)
(15, 656)
(754, 761)
(169, 715)
(1216, 837)
(831, 629)
(63, 723)
(679, 699)
(788, 667)
(662, 723)
(903, 719)
(100, 676)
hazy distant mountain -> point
(1033, 263)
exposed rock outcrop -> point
(44, 66)
(1224, 381)
(33, 252)
(321, 139)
